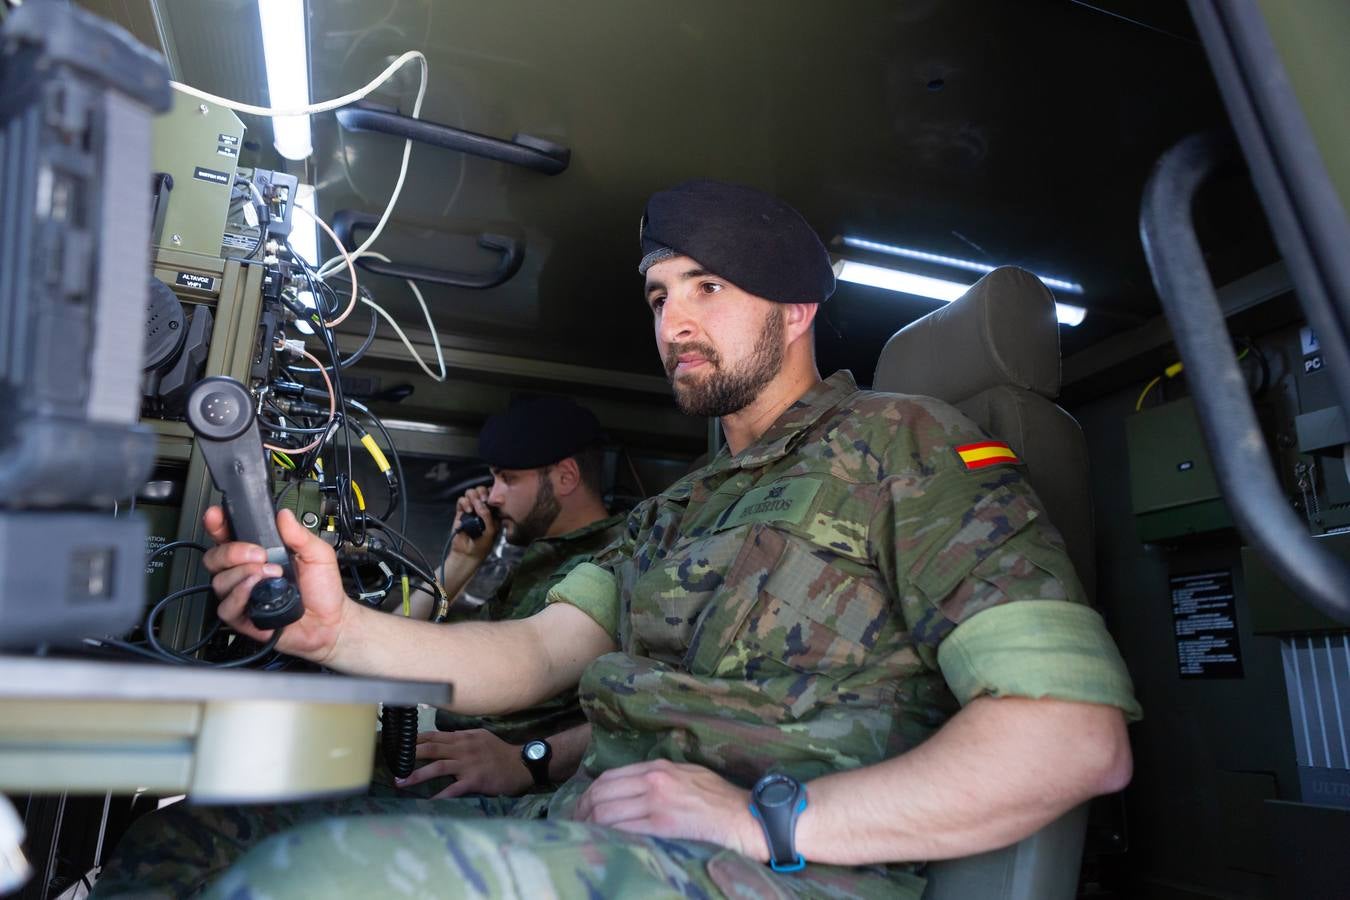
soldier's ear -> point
(566, 476)
(797, 319)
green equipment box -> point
(1172, 487)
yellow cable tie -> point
(1173, 370)
(376, 453)
(360, 499)
(407, 603)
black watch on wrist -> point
(536, 755)
(776, 801)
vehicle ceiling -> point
(997, 131)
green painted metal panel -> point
(198, 144)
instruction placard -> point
(1204, 616)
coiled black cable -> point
(157, 651)
(398, 738)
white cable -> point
(330, 265)
(325, 106)
(259, 209)
(435, 338)
(346, 257)
(403, 337)
(262, 204)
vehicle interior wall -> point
(1216, 765)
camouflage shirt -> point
(801, 606)
(544, 564)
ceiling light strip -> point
(926, 286)
(969, 265)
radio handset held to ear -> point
(472, 524)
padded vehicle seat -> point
(994, 354)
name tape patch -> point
(786, 501)
(986, 453)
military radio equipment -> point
(260, 210)
(197, 147)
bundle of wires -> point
(305, 426)
(353, 519)
(320, 424)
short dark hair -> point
(591, 466)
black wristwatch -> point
(777, 800)
(536, 755)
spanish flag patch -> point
(986, 453)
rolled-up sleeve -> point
(1037, 649)
(592, 589)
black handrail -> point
(1241, 460)
(1307, 219)
(522, 150)
(346, 222)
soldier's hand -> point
(474, 500)
(236, 567)
(481, 763)
(674, 800)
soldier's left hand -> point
(675, 800)
(480, 762)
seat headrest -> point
(1002, 331)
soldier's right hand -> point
(474, 500)
(236, 567)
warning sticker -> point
(1204, 616)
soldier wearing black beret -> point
(756, 241)
(837, 649)
(545, 457)
(705, 238)
(546, 496)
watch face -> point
(535, 750)
(777, 793)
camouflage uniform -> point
(545, 563)
(822, 601)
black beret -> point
(538, 431)
(755, 241)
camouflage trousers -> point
(391, 844)
(443, 849)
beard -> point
(724, 392)
(539, 519)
